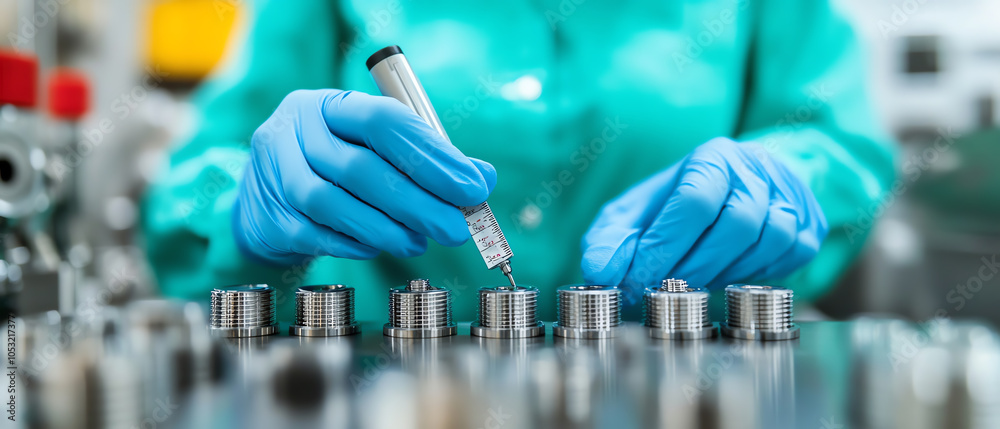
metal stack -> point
(587, 311)
(506, 312)
(759, 313)
(324, 311)
(677, 311)
(419, 310)
(243, 311)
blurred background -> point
(116, 77)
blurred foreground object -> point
(153, 363)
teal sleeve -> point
(807, 105)
(186, 211)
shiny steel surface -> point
(478, 330)
(506, 312)
(865, 374)
(243, 332)
(324, 311)
(755, 312)
(242, 311)
(587, 311)
(419, 310)
(676, 311)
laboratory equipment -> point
(677, 311)
(756, 312)
(243, 311)
(588, 311)
(506, 312)
(419, 310)
(324, 311)
(394, 78)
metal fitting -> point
(419, 310)
(675, 311)
(506, 312)
(588, 312)
(324, 311)
(759, 313)
(243, 311)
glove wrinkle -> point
(734, 214)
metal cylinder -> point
(587, 311)
(505, 312)
(324, 311)
(759, 313)
(677, 311)
(243, 311)
(419, 310)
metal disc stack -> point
(677, 311)
(587, 311)
(506, 312)
(419, 310)
(243, 311)
(759, 313)
(324, 311)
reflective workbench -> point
(863, 373)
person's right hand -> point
(348, 174)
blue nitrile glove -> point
(726, 213)
(348, 174)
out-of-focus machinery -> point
(21, 165)
(935, 73)
(43, 252)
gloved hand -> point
(726, 213)
(348, 174)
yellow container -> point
(187, 38)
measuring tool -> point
(395, 78)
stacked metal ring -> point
(419, 310)
(759, 313)
(677, 311)
(324, 311)
(243, 311)
(588, 312)
(506, 312)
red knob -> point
(69, 94)
(18, 79)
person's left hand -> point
(726, 213)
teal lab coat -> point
(572, 101)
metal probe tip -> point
(505, 268)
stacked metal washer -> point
(324, 311)
(677, 311)
(243, 311)
(588, 311)
(761, 313)
(508, 312)
(674, 310)
(419, 310)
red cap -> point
(69, 94)
(18, 79)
